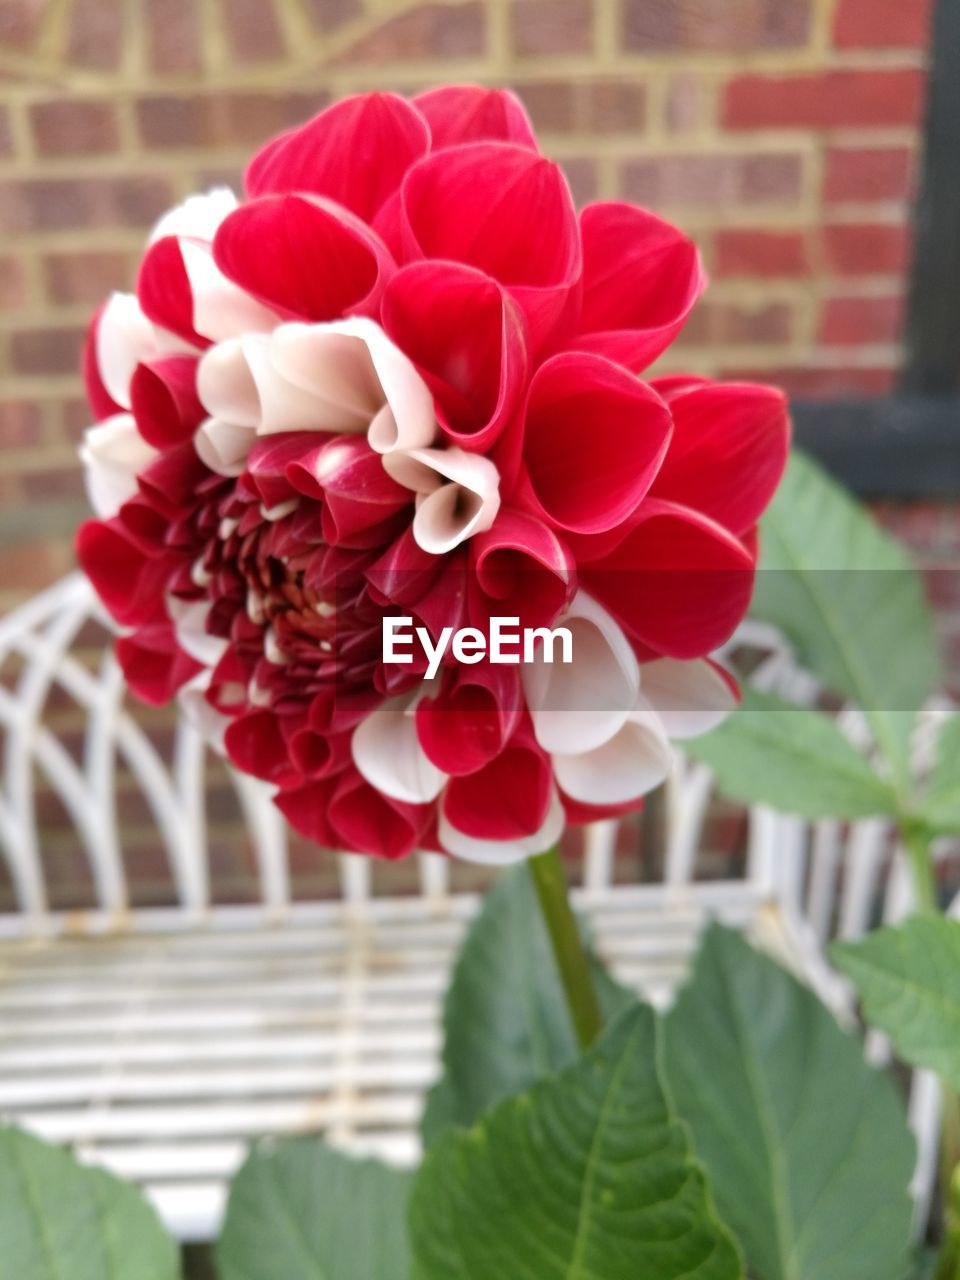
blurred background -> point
(787, 136)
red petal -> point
(256, 744)
(128, 580)
(306, 808)
(506, 799)
(171, 479)
(460, 113)
(405, 572)
(522, 570)
(163, 290)
(594, 440)
(303, 256)
(729, 448)
(641, 278)
(369, 822)
(678, 582)
(154, 665)
(469, 721)
(505, 210)
(465, 334)
(101, 402)
(348, 477)
(579, 813)
(163, 395)
(355, 152)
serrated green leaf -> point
(60, 1220)
(908, 980)
(586, 1177)
(505, 1017)
(807, 1148)
(942, 802)
(845, 593)
(302, 1211)
(797, 760)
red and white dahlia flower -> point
(403, 377)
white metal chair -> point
(159, 1040)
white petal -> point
(579, 705)
(411, 422)
(190, 622)
(199, 215)
(113, 453)
(628, 765)
(459, 494)
(387, 752)
(502, 852)
(317, 378)
(226, 382)
(208, 721)
(690, 697)
(223, 446)
(125, 337)
(221, 309)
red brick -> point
(854, 322)
(684, 105)
(714, 181)
(552, 104)
(822, 383)
(6, 135)
(432, 31)
(253, 30)
(764, 325)
(705, 24)
(581, 173)
(20, 22)
(174, 41)
(21, 424)
(823, 100)
(55, 483)
(614, 106)
(760, 253)
(328, 15)
(27, 566)
(870, 249)
(69, 126)
(47, 350)
(75, 417)
(222, 119)
(85, 277)
(13, 282)
(882, 24)
(96, 32)
(66, 204)
(867, 174)
(551, 26)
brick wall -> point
(783, 133)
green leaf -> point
(505, 1016)
(60, 1220)
(846, 595)
(807, 1147)
(302, 1211)
(908, 980)
(942, 802)
(797, 760)
(586, 1177)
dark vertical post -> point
(932, 332)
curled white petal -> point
(227, 381)
(634, 761)
(199, 215)
(579, 705)
(458, 494)
(124, 338)
(502, 852)
(387, 752)
(223, 446)
(221, 309)
(317, 377)
(207, 720)
(407, 420)
(691, 698)
(113, 454)
(189, 618)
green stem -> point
(917, 844)
(572, 962)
